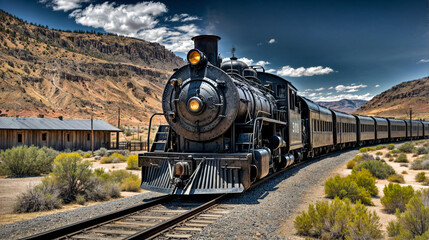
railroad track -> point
(166, 217)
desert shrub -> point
(377, 158)
(131, 184)
(378, 169)
(338, 220)
(403, 165)
(357, 186)
(381, 146)
(421, 150)
(395, 151)
(413, 223)
(80, 199)
(114, 158)
(420, 164)
(36, 200)
(396, 197)
(366, 149)
(119, 175)
(391, 159)
(388, 155)
(351, 164)
(101, 152)
(106, 160)
(391, 146)
(100, 190)
(133, 162)
(402, 158)
(367, 156)
(27, 161)
(3, 171)
(378, 153)
(404, 172)
(365, 179)
(393, 228)
(396, 178)
(358, 158)
(71, 174)
(420, 177)
(406, 147)
(87, 155)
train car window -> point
(291, 99)
(281, 91)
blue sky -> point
(328, 49)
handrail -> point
(148, 131)
(262, 119)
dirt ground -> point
(10, 188)
(317, 193)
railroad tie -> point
(174, 235)
(188, 229)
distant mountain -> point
(63, 73)
(344, 105)
(397, 101)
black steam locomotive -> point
(230, 125)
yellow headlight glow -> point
(194, 105)
(194, 57)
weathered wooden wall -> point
(57, 139)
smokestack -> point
(208, 45)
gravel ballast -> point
(47, 222)
(260, 212)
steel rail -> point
(92, 222)
(150, 232)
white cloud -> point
(301, 71)
(330, 98)
(330, 88)
(250, 62)
(271, 41)
(423, 61)
(140, 20)
(349, 89)
(184, 17)
(270, 70)
(64, 5)
(319, 89)
(377, 85)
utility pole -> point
(138, 131)
(92, 129)
(119, 124)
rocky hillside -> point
(344, 105)
(59, 73)
(397, 101)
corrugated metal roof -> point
(25, 123)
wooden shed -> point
(57, 133)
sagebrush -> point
(338, 220)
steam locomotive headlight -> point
(195, 105)
(194, 56)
